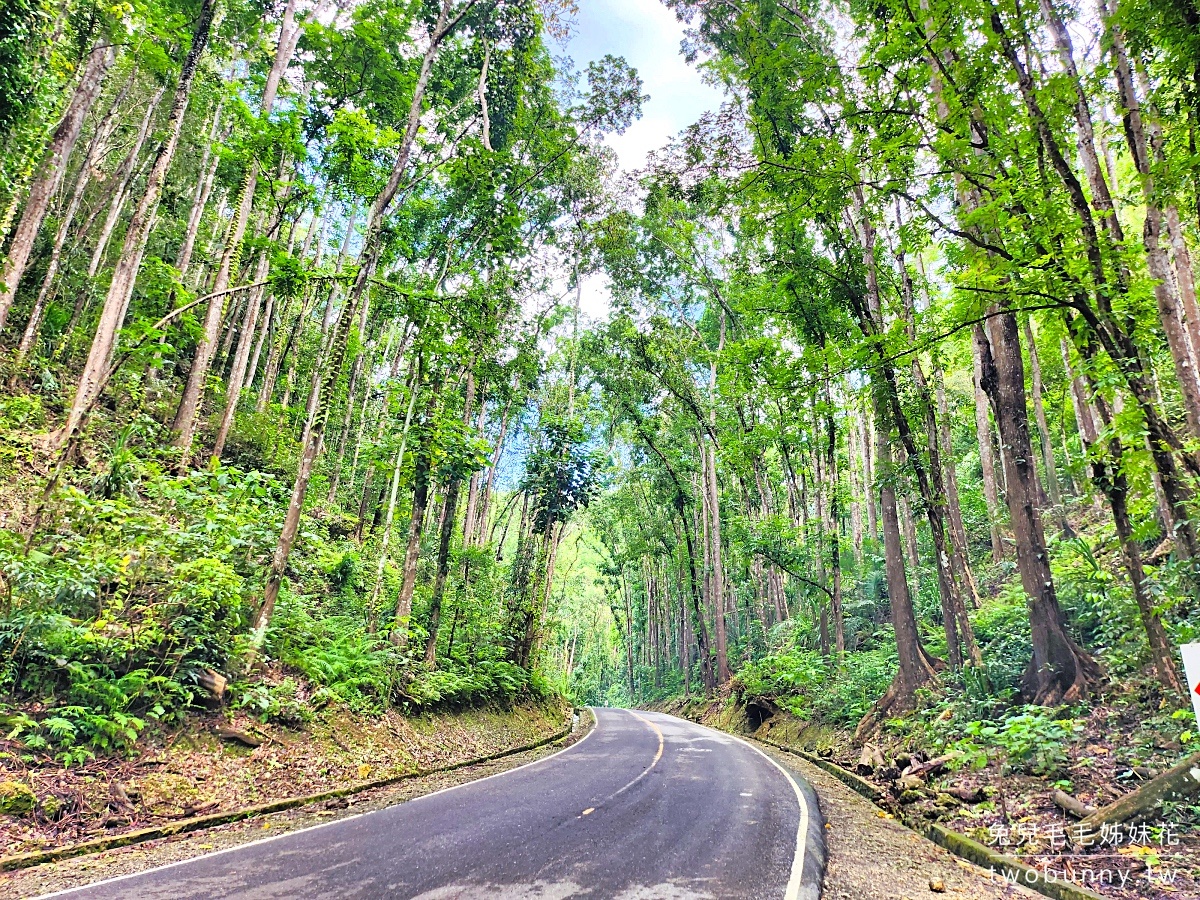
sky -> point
(647, 34)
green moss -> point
(16, 798)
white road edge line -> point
(795, 882)
(275, 837)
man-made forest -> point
(892, 425)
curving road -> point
(646, 807)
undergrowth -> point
(143, 581)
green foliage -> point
(20, 42)
(144, 586)
(282, 702)
(1031, 740)
(494, 681)
(804, 684)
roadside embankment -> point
(197, 779)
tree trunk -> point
(209, 164)
(189, 404)
(44, 187)
(127, 176)
(991, 494)
(486, 496)
(414, 389)
(1060, 671)
(1039, 412)
(266, 335)
(125, 274)
(958, 533)
(1170, 313)
(241, 358)
(449, 516)
(706, 666)
(1108, 474)
(473, 487)
(864, 444)
(351, 387)
(916, 666)
(413, 548)
(104, 131)
(313, 434)
(1147, 803)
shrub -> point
(1032, 740)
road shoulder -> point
(871, 856)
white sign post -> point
(1191, 666)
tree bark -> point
(1108, 474)
(127, 174)
(103, 132)
(1050, 470)
(449, 516)
(1060, 671)
(958, 532)
(1170, 312)
(314, 432)
(991, 494)
(1177, 783)
(420, 500)
(916, 666)
(241, 358)
(99, 60)
(355, 373)
(125, 274)
(414, 389)
(209, 164)
(189, 403)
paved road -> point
(646, 807)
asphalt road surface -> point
(646, 807)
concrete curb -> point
(197, 823)
(958, 844)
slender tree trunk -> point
(44, 187)
(909, 528)
(834, 530)
(449, 516)
(489, 482)
(314, 432)
(104, 130)
(706, 666)
(125, 274)
(413, 548)
(189, 403)
(355, 373)
(958, 533)
(916, 666)
(266, 335)
(1109, 476)
(473, 487)
(1170, 312)
(414, 389)
(209, 164)
(864, 444)
(127, 175)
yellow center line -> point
(646, 771)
